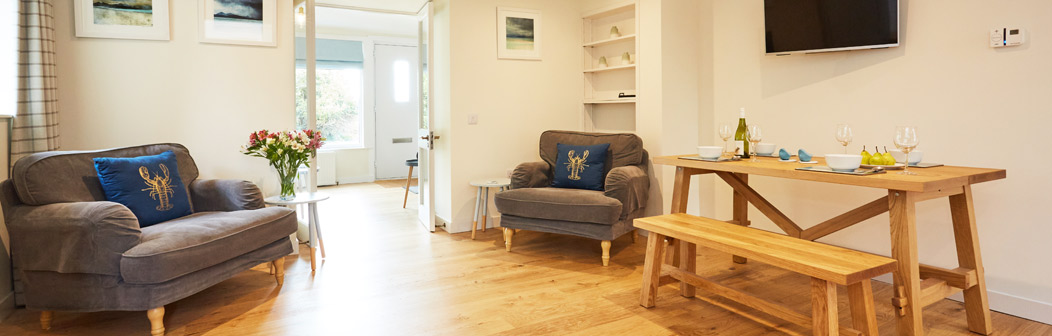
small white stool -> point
(482, 199)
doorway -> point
(358, 81)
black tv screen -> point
(830, 25)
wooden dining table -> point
(916, 285)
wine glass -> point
(844, 135)
(726, 132)
(755, 135)
(906, 140)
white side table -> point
(482, 198)
(311, 199)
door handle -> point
(430, 139)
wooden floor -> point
(386, 276)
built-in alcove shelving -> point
(603, 107)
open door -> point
(425, 120)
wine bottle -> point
(741, 136)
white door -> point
(425, 137)
(396, 103)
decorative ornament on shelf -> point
(614, 32)
(626, 59)
(602, 61)
(286, 151)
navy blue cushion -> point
(580, 167)
(148, 185)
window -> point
(401, 81)
(339, 103)
(9, 57)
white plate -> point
(790, 160)
(812, 161)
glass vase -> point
(287, 179)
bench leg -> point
(652, 269)
(863, 314)
(688, 255)
(823, 307)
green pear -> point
(877, 159)
(888, 159)
(865, 155)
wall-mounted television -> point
(809, 26)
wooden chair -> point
(827, 266)
(409, 179)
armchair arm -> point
(531, 175)
(225, 195)
(630, 185)
(81, 237)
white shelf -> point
(612, 101)
(630, 37)
(619, 67)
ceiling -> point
(409, 6)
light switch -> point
(473, 119)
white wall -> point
(208, 97)
(515, 100)
(974, 106)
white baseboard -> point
(355, 179)
(7, 305)
(1005, 303)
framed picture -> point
(250, 22)
(123, 19)
(518, 33)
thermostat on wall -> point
(1007, 37)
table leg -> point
(485, 207)
(741, 212)
(317, 227)
(902, 207)
(683, 253)
(313, 234)
(688, 263)
(967, 237)
(652, 269)
(478, 204)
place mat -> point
(826, 169)
(925, 165)
(699, 158)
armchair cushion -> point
(531, 175)
(82, 237)
(572, 205)
(148, 185)
(580, 167)
(630, 185)
(225, 195)
(185, 245)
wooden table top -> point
(926, 180)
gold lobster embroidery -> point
(576, 164)
(160, 188)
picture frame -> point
(122, 19)
(519, 34)
(244, 22)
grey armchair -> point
(533, 205)
(75, 251)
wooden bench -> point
(827, 266)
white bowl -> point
(710, 152)
(843, 162)
(915, 156)
(765, 149)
